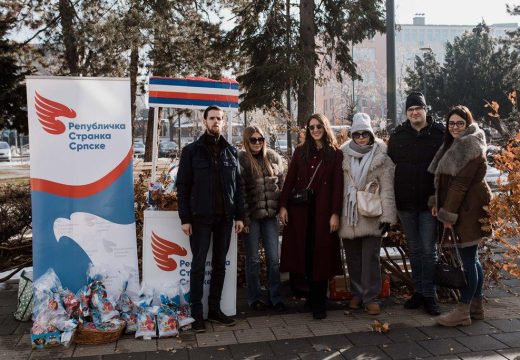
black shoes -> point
(319, 314)
(258, 305)
(415, 302)
(219, 317)
(279, 307)
(198, 325)
(431, 306)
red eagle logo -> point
(162, 249)
(48, 111)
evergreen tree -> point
(13, 109)
(281, 52)
(475, 71)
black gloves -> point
(384, 226)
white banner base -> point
(163, 229)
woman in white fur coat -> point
(365, 160)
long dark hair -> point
(329, 139)
(464, 113)
(256, 168)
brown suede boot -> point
(456, 317)
(476, 310)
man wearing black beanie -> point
(412, 147)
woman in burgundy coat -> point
(310, 243)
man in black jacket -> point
(210, 198)
(412, 147)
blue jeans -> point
(420, 229)
(267, 230)
(474, 274)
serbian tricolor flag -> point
(192, 92)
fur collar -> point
(379, 155)
(469, 146)
(274, 158)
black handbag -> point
(449, 270)
(304, 196)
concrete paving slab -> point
(135, 345)
(52, 353)
(406, 350)
(181, 354)
(406, 334)
(511, 354)
(443, 346)
(364, 353)
(290, 346)
(479, 328)
(481, 343)
(334, 355)
(90, 350)
(220, 338)
(330, 342)
(9, 342)
(220, 353)
(254, 335)
(484, 355)
(266, 321)
(15, 354)
(252, 351)
(440, 332)
(292, 332)
(506, 325)
(368, 338)
(510, 339)
(327, 328)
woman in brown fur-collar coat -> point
(461, 195)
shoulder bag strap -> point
(313, 175)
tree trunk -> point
(66, 10)
(134, 60)
(307, 33)
(160, 10)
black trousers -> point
(317, 288)
(199, 242)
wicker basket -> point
(86, 336)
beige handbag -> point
(369, 203)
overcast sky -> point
(455, 12)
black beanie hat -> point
(415, 99)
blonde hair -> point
(256, 168)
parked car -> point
(168, 148)
(138, 149)
(5, 151)
(281, 145)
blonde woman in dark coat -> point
(262, 174)
(461, 195)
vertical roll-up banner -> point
(81, 179)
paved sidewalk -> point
(295, 335)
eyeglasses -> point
(458, 124)
(317, 127)
(256, 140)
(363, 134)
(411, 109)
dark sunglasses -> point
(364, 134)
(318, 127)
(255, 140)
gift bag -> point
(25, 297)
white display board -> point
(163, 229)
(81, 179)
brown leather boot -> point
(456, 317)
(476, 309)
